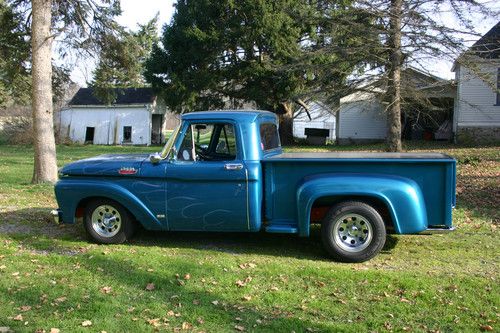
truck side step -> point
(282, 229)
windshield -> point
(170, 142)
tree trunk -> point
(394, 87)
(45, 166)
(286, 124)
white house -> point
(134, 118)
(477, 107)
(321, 117)
(427, 109)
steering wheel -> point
(201, 153)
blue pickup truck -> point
(225, 171)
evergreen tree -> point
(274, 53)
(121, 63)
(14, 58)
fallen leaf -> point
(150, 287)
(15, 274)
(60, 299)
(86, 323)
(54, 330)
(196, 301)
(3, 267)
(187, 276)
(215, 302)
(25, 308)
(239, 328)
(200, 321)
(486, 328)
(273, 288)
(106, 290)
(19, 317)
(186, 325)
(154, 322)
(247, 298)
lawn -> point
(51, 278)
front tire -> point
(108, 222)
(353, 232)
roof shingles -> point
(124, 96)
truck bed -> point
(284, 173)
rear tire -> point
(108, 222)
(353, 231)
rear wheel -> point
(353, 232)
(108, 222)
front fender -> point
(402, 197)
(69, 192)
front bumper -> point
(56, 215)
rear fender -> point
(70, 192)
(402, 197)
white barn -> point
(133, 119)
(477, 106)
(321, 117)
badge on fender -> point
(127, 171)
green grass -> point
(51, 277)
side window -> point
(208, 142)
(269, 136)
(227, 142)
(185, 152)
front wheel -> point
(353, 232)
(108, 222)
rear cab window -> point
(269, 137)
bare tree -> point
(45, 164)
(74, 25)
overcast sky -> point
(141, 11)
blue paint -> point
(272, 191)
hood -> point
(106, 165)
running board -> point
(282, 229)
(439, 230)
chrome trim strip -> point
(432, 231)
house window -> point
(127, 133)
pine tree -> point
(121, 63)
(273, 53)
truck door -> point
(207, 182)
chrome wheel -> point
(352, 232)
(106, 220)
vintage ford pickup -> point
(225, 171)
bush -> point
(17, 130)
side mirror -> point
(155, 158)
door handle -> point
(233, 166)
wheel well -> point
(322, 205)
(80, 208)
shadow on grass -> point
(37, 221)
(192, 300)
